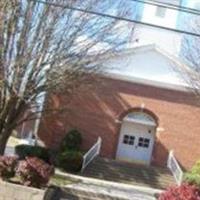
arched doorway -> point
(137, 136)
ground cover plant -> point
(31, 171)
(183, 192)
(188, 190)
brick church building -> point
(141, 110)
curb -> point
(99, 182)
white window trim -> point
(128, 119)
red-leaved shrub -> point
(183, 192)
(7, 166)
(34, 172)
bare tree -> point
(47, 47)
(190, 53)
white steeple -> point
(168, 40)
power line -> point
(174, 5)
(116, 17)
(170, 6)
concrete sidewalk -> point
(99, 189)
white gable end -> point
(148, 64)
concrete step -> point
(160, 182)
(103, 162)
(69, 196)
(77, 194)
(130, 170)
(129, 173)
(140, 183)
(131, 177)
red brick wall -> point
(95, 113)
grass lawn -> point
(13, 141)
(59, 180)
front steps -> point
(93, 191)
(134, 174)
(76, 194)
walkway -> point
(84, 188)
(111, 170)
(83, 191)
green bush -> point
(72, 141)
(24, 151)
(70, 160)
(193, 176)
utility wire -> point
(169, 6)
(116, 17)
(174, 5)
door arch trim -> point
(139, 109)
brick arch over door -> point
(138, 109)
(135, 110)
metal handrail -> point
(175, 168)
(91, 154)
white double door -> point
(136, 142)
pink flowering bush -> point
(8, 166)
(34, 172)
(183, 192)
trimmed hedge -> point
(72, 141)
(24, 151)
(69, 157)
(70, 160)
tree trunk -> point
(3, 141)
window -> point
(143, 142)
(128, 139)
(140, 117)
(160, 12)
